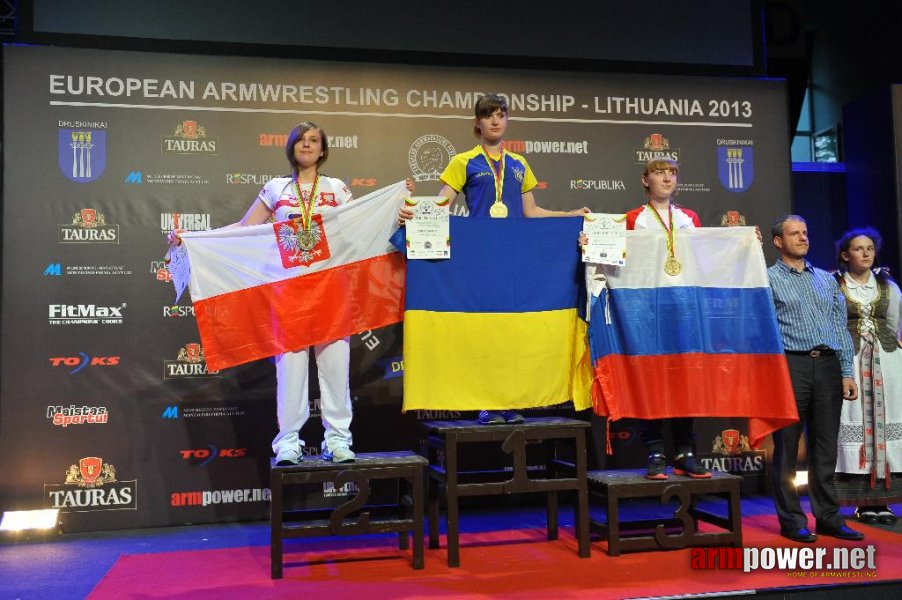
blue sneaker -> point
(489, 417)
(512, 416)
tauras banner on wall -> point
(108, 151)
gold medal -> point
(498, 211)
(672, 266)
(307, 238)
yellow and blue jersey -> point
(470, 173)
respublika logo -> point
(82, 150)
(249, 178)
(92, 485)
(189, 138)
(88, 227)
(85, 314)
(63, 416)
(177, 311)
(736, 164)
(78, 363)
(597, 184)
(189, 363)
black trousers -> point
(650, 432)
(817, 383)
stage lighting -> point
(801, 479)
(29, 524)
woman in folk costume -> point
(869, 457)
(302, 195)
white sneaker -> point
(288, 456)
(341, 454)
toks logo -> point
(88, 227)
(189, 138)
(189, 363)
(83, 360)
(210, 453)
(91, 485)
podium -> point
(446, 477)
(406, 467)
(610, 487)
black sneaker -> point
(657, 467)
(488, 417)
(685, 464)
(512, 416)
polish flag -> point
(273, 288)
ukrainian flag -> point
(497, 326)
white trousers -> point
(333, 361)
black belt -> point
(816, 352)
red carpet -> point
(510, 563)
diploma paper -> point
(427, 233)
(607, 239)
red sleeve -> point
(692, 215)
(631, 217)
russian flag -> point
(260, 291)
(497, 325)
(703, 343)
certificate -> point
(607, 239)
(427, 232)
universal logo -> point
(88, 227)
(186, 221)
(188, 138)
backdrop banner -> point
(108, 409)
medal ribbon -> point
(668, 230)
(307, 206)
(498, 173)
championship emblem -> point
(428, 156)
(732, 218)
(736, 167)
(82, 154)
(300, 246)
(731, 442)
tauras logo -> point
(88, 227)
(92, 485)
(189, 363)
(189, 138)
(85, 314)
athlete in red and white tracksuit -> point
(333, 358)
